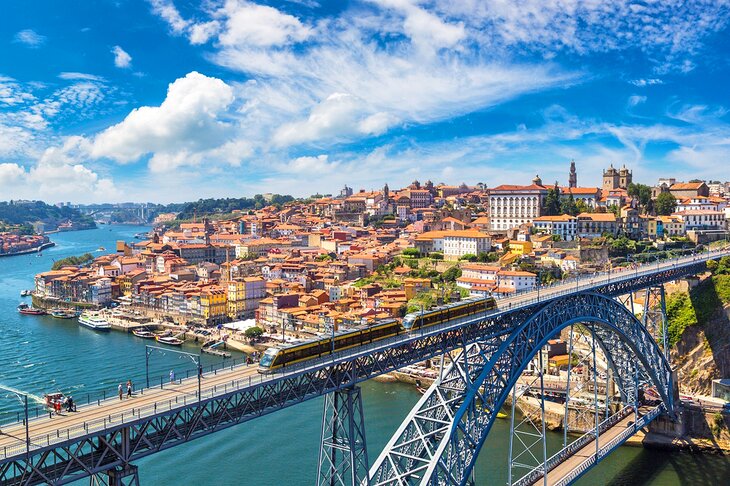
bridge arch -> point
(628, 346)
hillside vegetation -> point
(699, 329)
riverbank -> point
(36, 249)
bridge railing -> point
(97, 397)
(574, 447)
(608, 447)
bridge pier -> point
(127, 475)
(343, 457)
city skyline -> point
(165, 101)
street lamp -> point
(24, 401)
(195, 358)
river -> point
(42, 354)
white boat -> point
(94, 321)
(169, 340)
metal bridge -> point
(439, 440)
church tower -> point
(573, 177)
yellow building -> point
(413, 286)
(214, 304)
(520, 247)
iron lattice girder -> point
(472, 412)
(343, 457)
(78, 457)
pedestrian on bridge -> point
(129, 388)
(172, 376)
(119, 389)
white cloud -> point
(73, 76)
(29, 38)
(167, 11)
(641, 82)
(10, 173)
(57, 175)
(311, 165)
(426, 29)
(121, 58)
(250, 24)
(188, 121)
(636, 100)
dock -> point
(210, 348)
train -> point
(282, 356)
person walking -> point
(172, 376)
(129, 388)
(119, 388)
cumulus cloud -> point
(121, 58)
(188, 121)
(29, 38)
(57, 175)
(250, 24)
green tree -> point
(551, 204)
(665, 204)
(469, 257)
(582, 207)
(451, 274)
(73, 261)
(411, 252)
(568, 206)
(253, 333)
(641, 192)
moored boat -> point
(63, 313)
(26, 293)
(30, 311)
(94, 321)
(169, 340)
(143, 333)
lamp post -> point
(195, 358)
(23, 398)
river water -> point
(42, 354)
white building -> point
(589, 195)
(564, 225)
(511, 206)
(454, 243)
(702, 220)
(489, 279)
(465, 242)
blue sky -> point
(173, 100)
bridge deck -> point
(69, 424)
(588, 451)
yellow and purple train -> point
(278, 357)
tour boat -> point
(94, 321)
(143, 333)
(30, 311)
(63, 313)
(25, 293)
(169, 340)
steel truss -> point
(489, 344)
(440, 439)
(655, 315)
(343, 456)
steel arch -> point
(451, 446)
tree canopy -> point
(665, 204)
